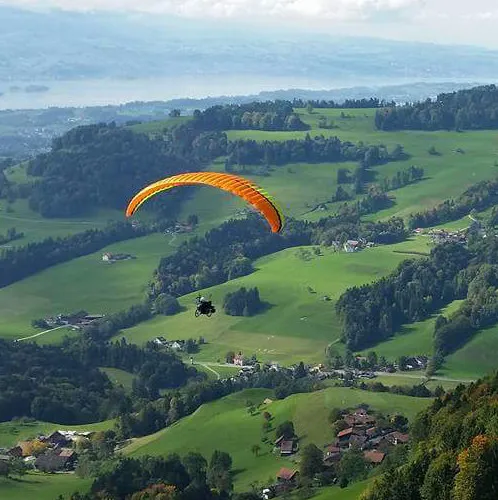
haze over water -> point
(80, 93)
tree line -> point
(318, 149)
(454, 452)
(470, 109)
(479, 196)
(22, 261)
(372, 102)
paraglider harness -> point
(204, 307)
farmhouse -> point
(115, 257)
(374, 457)
(238, 359)
(287, 476)
(351, 246)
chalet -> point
(56, 439)
(16, 451)
(4, 458)
(396, 438)
(285, 475)
(268, 401)
(175, 345)
(358, 441)
(114, 257)
(344, 436)
(287, 447)
(332, 454)
(238, 359)
(374, 456)
(53, 461)
(372, 432)
(351, 246)
(25, 447)
(161, 341)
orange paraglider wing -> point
(232, 183)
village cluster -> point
(373, 440)
(53, 453)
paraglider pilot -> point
(204, 306)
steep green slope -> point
(227, 425)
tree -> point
(230, 355)
(477, 478)
(174, 113)
(196, 466)
(192, 220)
(309, 108)
(399, 422)
(285, 429)
(300, 371)
(255, 449)
(439, 479)
(167, 304)
(219, 472)
(372, 359)
(311, 461)
(352, 465)
(267, 416)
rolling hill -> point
(226, 425)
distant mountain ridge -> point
(56, 45)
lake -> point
(102, 92)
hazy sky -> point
(446, 21)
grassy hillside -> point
(297, 324)
(226, 425)
(415, 339)
(37, 228)
(42, 486)
(476, 358)
(352, 492)
(83, 283)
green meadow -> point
(42, 486)
(415, 339)
(36, 228)
(227, 425)
(84, 283)
(476, 358)
(297, 324)
(119, 377)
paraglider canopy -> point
(234, 184)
